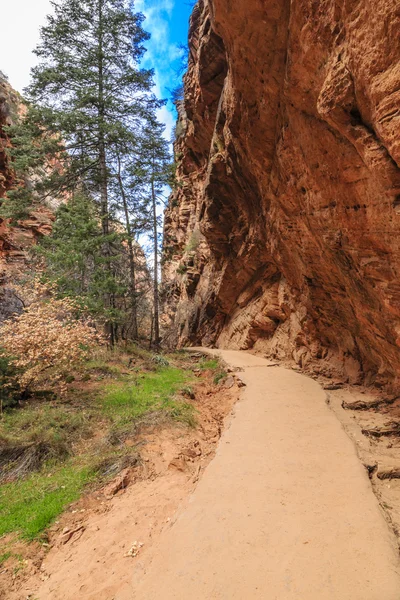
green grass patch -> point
(137, 351)
(209, 364)
(46, 423)
(220, 376)
(213, 364)
(52, 431)
(150, 392)
(29, 506)
(5, 556)
(101, 366)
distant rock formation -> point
(14, 241)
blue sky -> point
(167, 21)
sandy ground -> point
(285, 511)
(93, 545)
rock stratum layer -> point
(284, 226)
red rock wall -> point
(288, 173)
(6, 177)
(14, 241)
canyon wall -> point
(283, 231)
(15, 242)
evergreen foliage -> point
(90, 89)
(74, 257)
(85, 138)
(9, 389)
(151, 173)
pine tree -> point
(74, 261)
(73, 252)
(130, 242)
(90, 86)
(151, 173)
(89, 92)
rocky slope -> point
(283, 230)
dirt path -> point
(285, 511)
(92, 546)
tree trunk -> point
(105, 222)
(151, 333)
(132, 267)
(156, 292)
(101, 140)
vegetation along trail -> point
(285, 511)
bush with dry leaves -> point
(48, 339)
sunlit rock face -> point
(284, 227)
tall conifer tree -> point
(150, 174)
(89, 94)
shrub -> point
(48, 339)
(182, 269)
(194, 241)
(160, 361)
(9, 388)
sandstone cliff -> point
(284, 226)
(14, 241)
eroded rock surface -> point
(284, 226)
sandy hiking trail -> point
(93, 546)
(285, 510)
(278, 508)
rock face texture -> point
(14, 241)
(284, 228)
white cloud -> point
(169, 120)
(161, 53)
(21, 23)
(20, 26)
